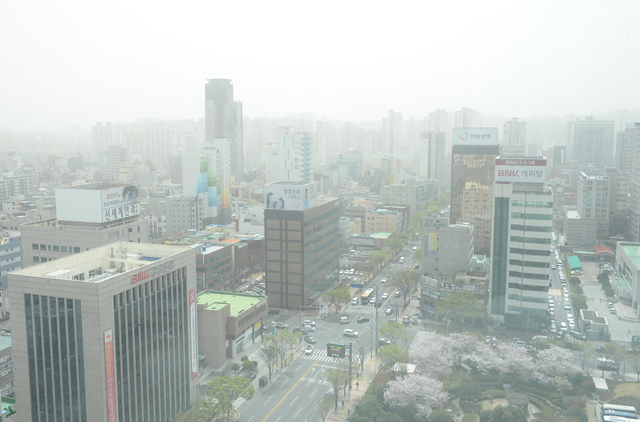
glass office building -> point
(472, 175)
(106, 335)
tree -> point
(555, 361)
(579, 302)
(460, 305)
(395, 244)
(268, 354)
(395, 332)
(336, 378)
(419, 392)
(440, 415)
(574, 281)
(633, 358)
(429, 356)
(324, 407)
(583, 354)
(603, 276)
(507, 414)
(417, 255)
(392, 354)
(616, 352)
(360, 349)
(578, 413)
(336, 297)
(225, 390)
(290, 340)
(515, 360)
(372, 411)
(406, 281)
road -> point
(295, 392)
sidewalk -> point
(352, 399)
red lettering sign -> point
(139, 276)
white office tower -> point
(520, 243)
(514, 132)
(101, 137)
(432, 163)
(590, 141)
(290, 157)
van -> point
(344, 320)
(402, 259)
(563, 326)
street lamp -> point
(448, 322)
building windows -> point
(528, 216)
(542, 229)
(56, 248)
(76, 249)
(532, 204)
(34, 246)
(43, 247)
(63, 248)
(535, 240)
(36, 259)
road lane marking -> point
(294, 400)
(279, 418)
(251, 418)
(268, 399)
(285, 396)
(314, 391)
(297, 412)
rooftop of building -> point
(101, 263)
(374, 235)
(96, 186)
(632, 250)
(573, 214)
(8, 407)
(285, 183)
(215, 300)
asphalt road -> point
(294, 393)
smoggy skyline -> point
(77, 63)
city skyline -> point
(554, 59)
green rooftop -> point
(622, 284)
(632, 250)
(216, 300)
(8, 407)
(585, 252)
(574, 263)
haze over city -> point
(75, 62)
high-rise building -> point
(118, 155)
(223, 119)
(290, 157)
(88, 216)
(13, 187)
(10, 256)
(590, 142)
(108, 334)
(472, 175)
(514, 132)
(446, 248)
(302, 242)
(392, 133)
(183, 214)
(627, 144)
(101, 137)
(432, 152)
(520, 242)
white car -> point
(309, 328)
(384, 280)
(308, 322)
(415, 248)
(348, 332)
(308, 350)
(385, 296)
(354, 301)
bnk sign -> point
(521, 170)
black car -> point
(383, 341)
(362, 319)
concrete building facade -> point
(107, 334)
(10, 256)
(432, 153)
(446, 248)
(301, 248)
(382, 220)
(291, 156)
(590, 141)
(183, 214)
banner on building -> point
(108, 359)
(194, 349)
(475, 136)
(521, 170)
(432, 244)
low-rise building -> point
(627, 264)
(229, 323)
(446, 248)
(383, 220)
(435, 289)
(10, 256)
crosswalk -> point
(238, 402)
(364, 309)
(321, 355)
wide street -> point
(294, 393)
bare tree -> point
(633, 358)
(324, 407)
(335, 378)
(268, 354)
(583, 354)
(406, 281)
(360, 348)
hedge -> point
(469, 417)
(547, 412)
(496, 394)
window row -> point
(532, 204)
(542, 229)
(55, 248)
(528, 216)
(536, 240)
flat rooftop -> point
(99, 264)
(632, 250)
(216, 300)
(5, 340)
(285, 183)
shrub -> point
(440, 415)
(579, 414)
(248, 365)
(547, 412)
(235, 367)
(589, 386)
(577, 378)
(244, 358)
(574, 281)
(485, 415)
(468, 417)
(255, 365)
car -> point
(569, 315)
(348, 332)
(309, 328)
(362, 320)
(281, 325)
(397, 293)
(308, 350)
(344, 320)
(378, 303)
(553, 267)
(383, 341)
(310, 340)
(521, 343)
(304, 332)
(388, 311)
(579, 336)
(567, 307)
(385, 296)
(531, 349)
(309, 322)
(612, 310)
(341, 271)
(552, 312)
(384, 280)
(372, 300)
(354, 301)
(415, 248)
(550, 301)
(610, 305)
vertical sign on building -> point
(194, 351)
(108, 359)
(433, 242)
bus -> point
(612, 412)
(364, 299)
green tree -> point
(336, 297)
(406, 281)
(268, 354)
(395, 332)
(579, 302)
(460, 305)
(336, 379)
(360, 348)
(440, 415)
(507, 414)
(578, 413)
(395, 244)
(575, 281)
(372, 411)
(290, 340)
(225, 390)
(417, 255)
(248, 365)
(393, 354)
(603, 276)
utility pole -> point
(350, 361)
(375, 306)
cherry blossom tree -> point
(436, 355)
(555, 361)
(515, 360)
(429, 356)
(420, 392)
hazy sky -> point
(66, 62)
